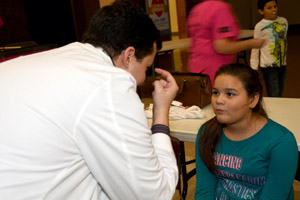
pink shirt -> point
(209, 21)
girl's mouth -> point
(219, 111)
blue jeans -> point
(274, 79)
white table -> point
(185, 42)
(285, 111)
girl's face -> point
(270, 10)
(230, 100)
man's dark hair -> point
(120, 25)
(261, 3)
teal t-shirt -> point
(260, 167)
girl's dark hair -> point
(120, 25)
(190, 4)
(261, 3)
(213, 128)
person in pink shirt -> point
(214, 29)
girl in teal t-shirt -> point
(241, 153)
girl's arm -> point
(282, 169)
(226, 46)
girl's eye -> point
(215, 92)
(230, 94)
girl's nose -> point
(220, 99)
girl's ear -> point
(254, 100)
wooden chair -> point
(184, 176)
(177, 151)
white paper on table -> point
(177, 111)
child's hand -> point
(257, 43)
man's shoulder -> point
(219, 5)
(212, 6)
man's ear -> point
(254, 100)
(128, 55)
(260, 11)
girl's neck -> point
(246, 128)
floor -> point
(292, 90)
